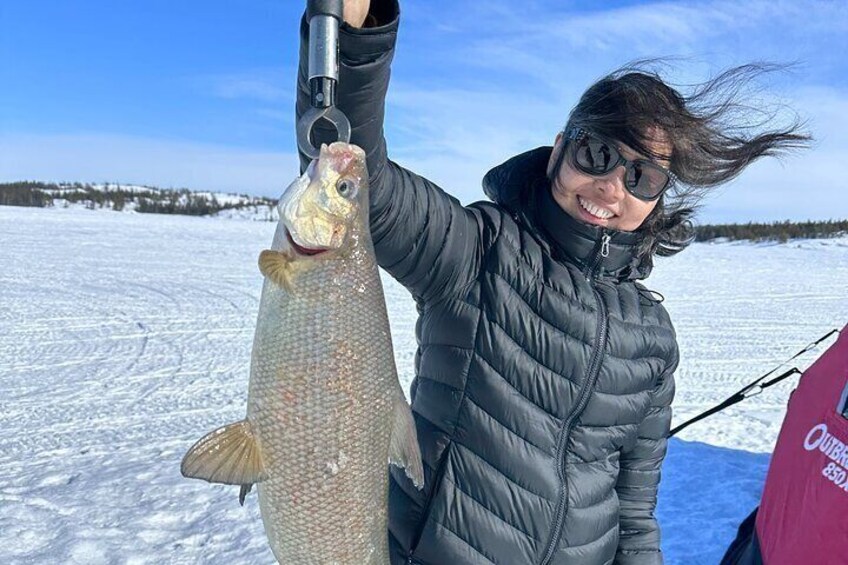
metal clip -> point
(324, 16)
(605, 245)
(753, 391)
(304, 128)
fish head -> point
(327, 205)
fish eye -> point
(346, 188)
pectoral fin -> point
(404, 450)
(229, 455)
(277, 267)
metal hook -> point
(304, 128)
(324, 16)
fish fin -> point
(243, 492)
(229, 455)
(403, 449)
(277, 267)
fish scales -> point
(321, 400)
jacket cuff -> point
(382, 13)
(359, 46)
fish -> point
(326, 414)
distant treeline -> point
(181, 203)
(145, 199)
(24, 194)
(776, 231)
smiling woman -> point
(545, 370)
(682, 145)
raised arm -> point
(423, 237)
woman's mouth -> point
(593, 212)
(299, 249)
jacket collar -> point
(520, 186)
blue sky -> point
(200, 94)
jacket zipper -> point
(602, 251)
(589, 385)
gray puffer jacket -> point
(544, 368)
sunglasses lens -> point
(594, 156)
(645, 180)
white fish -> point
(325, 411)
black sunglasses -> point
(596, 156)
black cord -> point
(745, 391)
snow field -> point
(125, 337)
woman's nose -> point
(611, 185)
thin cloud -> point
(547, 42)
(454, 135)
(145, 161)
(280, 116)
(266, 85)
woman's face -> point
(603, 201)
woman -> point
(544, 370)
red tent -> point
(803, 515)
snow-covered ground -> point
(124, 337)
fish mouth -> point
(300, 250)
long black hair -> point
(715, 132)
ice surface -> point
(125, 337)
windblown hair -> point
(714, 131)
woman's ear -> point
(558, 147)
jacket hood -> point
(520, 185)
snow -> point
(125, 337)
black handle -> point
(333, 8)
(324, 17)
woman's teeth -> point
(594, 210)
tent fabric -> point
(803, 514)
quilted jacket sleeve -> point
(639, 477)
(423, 237)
